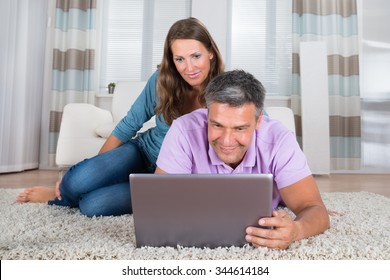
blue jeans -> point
(100, 185)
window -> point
(133, 35)
(259, 39)
(261, 42)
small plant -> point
(111, 87)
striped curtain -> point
(335, 23)
(73, 61)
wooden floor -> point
(376, 183)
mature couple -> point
(208, 121)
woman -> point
(100, 185)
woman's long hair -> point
(171, 87)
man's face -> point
(230, 131)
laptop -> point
(198, 210)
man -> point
(233, 136)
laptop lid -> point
(200, 210)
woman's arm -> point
(159, 171)
(112, 142)
(140, 112)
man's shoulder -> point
(272, 131)
(195, 120)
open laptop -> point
(200, 210)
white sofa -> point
(284, 114)
(85, 127)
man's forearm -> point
(312, 221)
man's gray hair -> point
(236, 88)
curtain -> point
(22, 55)
(73, 67)
(260, 42)
(335, 23)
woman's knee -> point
(74, 180)
(80, 177)
(114, 200)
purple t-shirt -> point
(273, 150)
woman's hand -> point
(58, 193)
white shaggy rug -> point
(39, 231)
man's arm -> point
(304, 199)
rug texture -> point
(38, 231)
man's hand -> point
(284, 231)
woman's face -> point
(192, 60)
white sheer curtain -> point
(260, 42)
(22, 47)
(375, 84)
